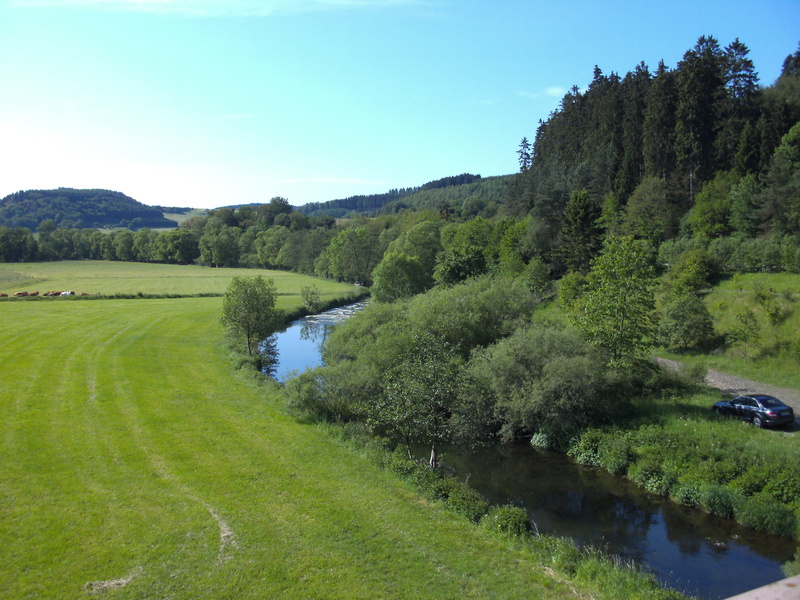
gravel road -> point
(731, 385)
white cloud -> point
(213, 8)
(551, 92)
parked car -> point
(761, 411)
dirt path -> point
(730, 385)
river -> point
(702, 555)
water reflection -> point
(703, 555)
(299, 347)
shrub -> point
(570, 290)
(615, 455)
(541, 440)
(718, 500)
(763, 512)
(647, 472)
(463, 500)
(686, 492)
(585, 448)
(751, 481)
(508, 520)
(783, 484)
(686, 323)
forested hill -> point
(377, 203)
(689, 150)
(78, 209)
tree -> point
(419, 397)
(649, 213)
(711, 213)
(399, 276)
(686, 322)
(248, 310)
(700, 93)
(617, 306)
(581, 232)
(658, 141)
(353, 254)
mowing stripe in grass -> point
(130, 447)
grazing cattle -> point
(2, 295)
(20, 294)
(70, 293)
(33, 294)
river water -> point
(702, 555)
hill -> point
(79, 209)
(395, 199)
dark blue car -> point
(761, 411)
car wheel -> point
(758, 422)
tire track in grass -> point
(133, 409)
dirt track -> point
(731, 385)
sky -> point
(207, 103)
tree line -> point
(678, 152)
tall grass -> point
(774, 355)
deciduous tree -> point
(248, 310)
(617, 307)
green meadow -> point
(135, 462)
(106, 278)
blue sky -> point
(205, 103)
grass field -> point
(108, 278)
(135, 463)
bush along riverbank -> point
(608, 575)
(719, 465)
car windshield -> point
(768, 402)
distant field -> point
(135, 463)
(108, 278)
(181, 217)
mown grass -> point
(108, 278)
(133, 460)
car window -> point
(771, 403)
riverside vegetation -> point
(138, 463)
(507, 295)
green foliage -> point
(617, 306)
(570, 290)
(581, 232)
(689, 272)
(718, 500)
(66, 207)
(419, 397)
(399, 276)
(711, 214)
(310, 296)
(650, 214)
(507, 520)
(248, 310)
(455, 495)
(352, 254)
(746, 332)
(536, 376)
(685, 323)
(761, 511)
(537, 276)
